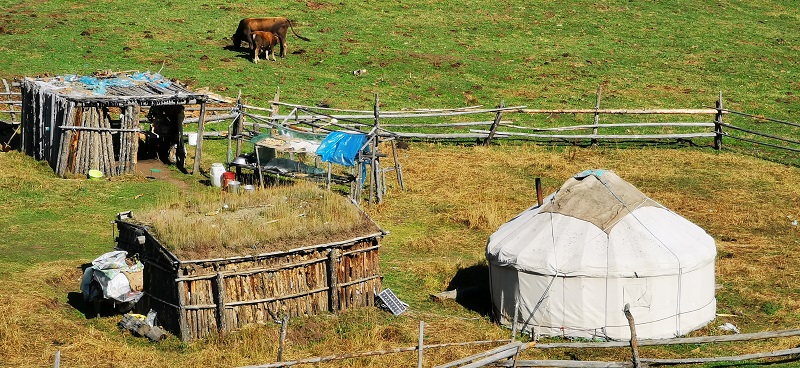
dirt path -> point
(155, 169)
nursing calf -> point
(264, 41)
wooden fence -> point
(508, 354)
(483, 125)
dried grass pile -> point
(214, 224)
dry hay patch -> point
(211, 224)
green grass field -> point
(425, 54)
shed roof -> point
(141, 88)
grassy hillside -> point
(422, 54)
(434, 53)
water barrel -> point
(217, 169)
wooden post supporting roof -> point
(198, 151)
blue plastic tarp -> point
(341, 147)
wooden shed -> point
(81, 123)
(195, 298)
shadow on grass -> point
(470, 287)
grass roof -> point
(211, 224)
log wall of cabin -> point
(195, 299)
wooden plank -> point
(455, 363)
(616, 125)
(271, 254)
(566, 364)
(605, 136)
(511, 351)
(255, 270)
(386, 115)
(622, 111)
(675, 341)
(736, 358)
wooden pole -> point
(421, 343)
(222, 325)
(373, 182)
(183, 323)
(495, 123)
(369, 353)
(634, 341)
(333, 267)
(198, 151)
(539, 198)
(284, 324)
(718, 124)
(238, 125)
(596, 116)
(274, 111)
(397, 168)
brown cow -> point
(264, 41)
(276, 25)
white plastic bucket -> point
(217, 169)
(249, 188)
(192, 138)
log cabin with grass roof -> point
(218, 261)
(82, 123)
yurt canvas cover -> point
(569, 266)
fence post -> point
(495, 123)
(718, 124)
(421, 344)
(282, 342)
(198, 151)
(634, 342)
(596, 116)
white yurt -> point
(569, 266)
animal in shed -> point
(277, 25)
(264, 41)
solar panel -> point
(390, 302)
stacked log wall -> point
(206, 297)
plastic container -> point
(227, 177)
(233, 186)
(192, 138)
(95, 174)
(216, 174)
(249, 188)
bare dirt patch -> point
(155, 169)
